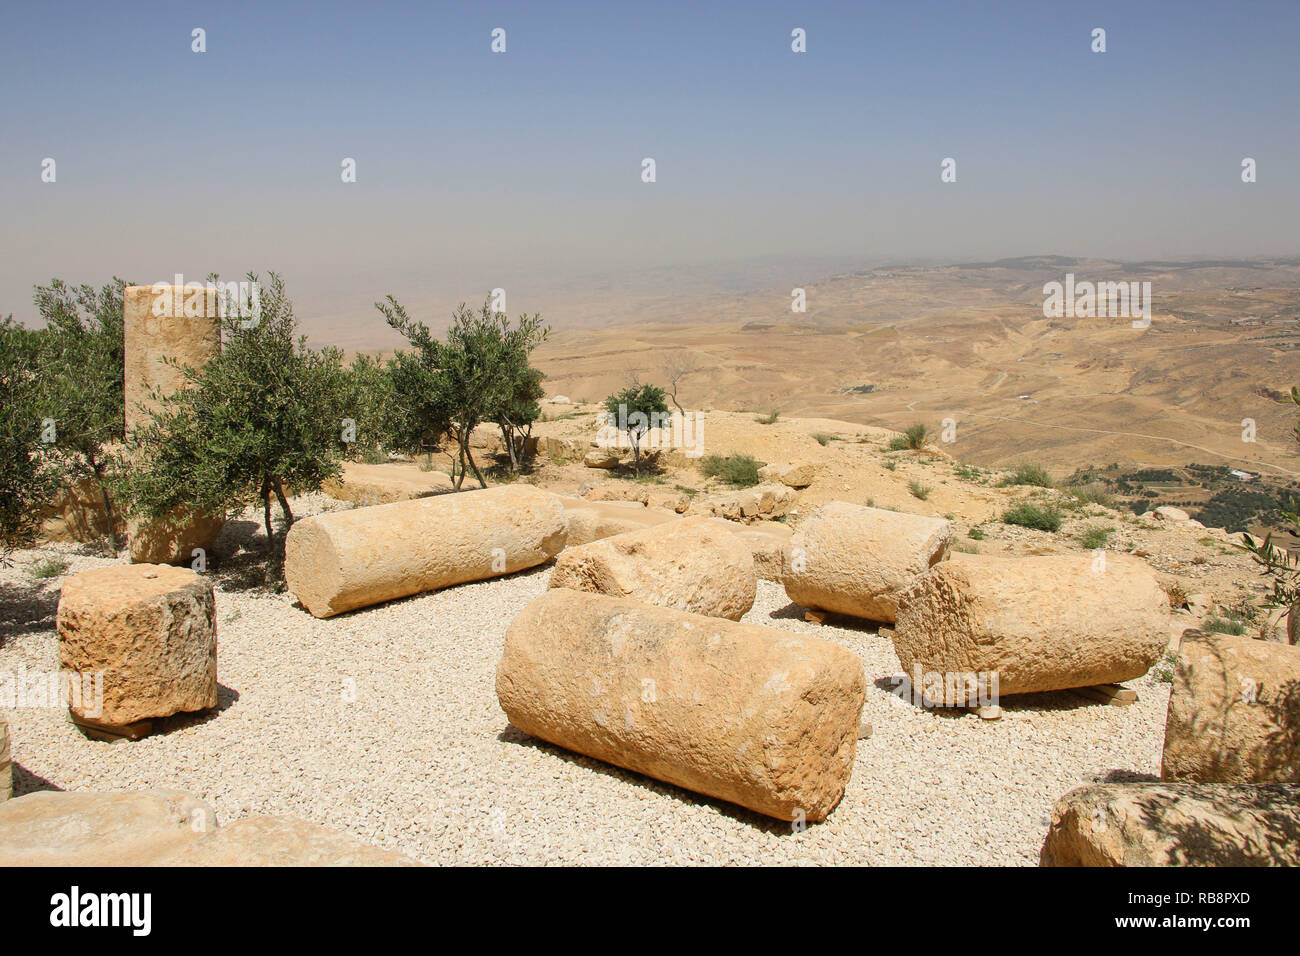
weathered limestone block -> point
(1039, 623)
(148, 339)
(365, 485)
(344, 560)
(690, 564)
(165, 828)
(69, 828)
(601, 458)
(1175, 824)
(1234, 711)
(756, 716)
(589, 521)
(77, 513)
(769, 542)
(856, 560)
(151, 630)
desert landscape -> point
(687, 436)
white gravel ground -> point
(420, 759)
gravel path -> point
(385, 723)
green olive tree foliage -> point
(262, 417)
(478, 374)
(1279, 566)
(81, 366)
(634, 411)
(28, 481)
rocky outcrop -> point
(755, 716)
(760, 503)
(1234, 711)
(1179, 824)
(344, 560)
(797, 474)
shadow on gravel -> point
(513, 735)
(27, 782)
(845, 622)
(26, 609)
(166, 725)
(1127, 776)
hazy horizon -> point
(522, 169)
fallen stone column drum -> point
(1038, 623)
(856, 560)
(344, 560)
(141, 642)
(691, 564)
(749, 714)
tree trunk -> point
(284, 504)
(266, 513)
(477, 474)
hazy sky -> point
(477, 169)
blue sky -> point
(473, 165)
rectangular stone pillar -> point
(166, 321)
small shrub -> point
(1163, 669)
(1095, 538)
(824, 438)
(916, 436)
(964, 548)
(976, 533)
(738, 470)
(1092, 494)
(891, 465)
(50, 567)
(691, 492)
(768, 419)
(1028, 515)
(968, 472)
(919, 490)
(1026, 474)
(1225, 625)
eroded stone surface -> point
(151, 630)
(743, 713)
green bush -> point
(824, 438)
(976, 533)
(768, 419)
(1094, 538)
(49, 567)
(1094, 493)
(1028, 515)
(738, 470)
(919, 490)
(1026, 474)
